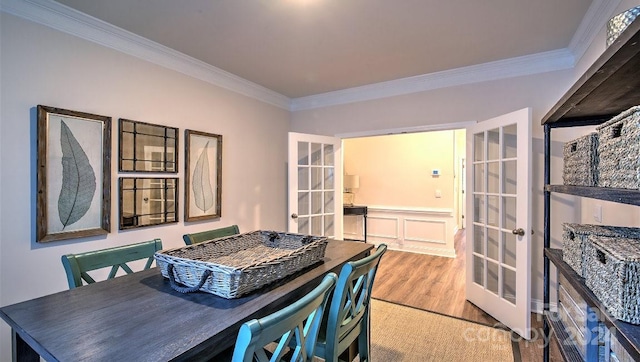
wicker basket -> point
(619, 151)
(581, 161)
(619, 23)
(574, 238)
(612, 272)
(236, 265)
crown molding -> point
(595, 19)
(506, 68)
(60, 17)
(592, 23)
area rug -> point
(400, 333)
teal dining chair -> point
(348, 317)
(77, 265)
(294, 329)
(195, 238)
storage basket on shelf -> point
(236, 265)
(574, 238)
(619, 151)
(612, 272)
(581, 161)
(619, 23)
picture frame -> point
(148, 201)
(203, 176)
(73, 175)
(147, 147)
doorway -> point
(412, 184)
(494, 153)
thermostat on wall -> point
(435, 172)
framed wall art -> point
(203, 176)
(74, 174)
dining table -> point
(140, 317)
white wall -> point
(396, 170)
(466, 103)
(43, 66)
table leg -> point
(365, 226)
(22, 352)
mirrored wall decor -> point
(146, 147)
(203, 176)
(147, 201)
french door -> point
(315, 185)
(498, 226)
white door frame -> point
(418, 129)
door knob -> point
(518, 231)
(294, 216)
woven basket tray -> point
(236, 265)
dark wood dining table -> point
(139, 317)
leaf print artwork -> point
(201, 184)
(78, 179)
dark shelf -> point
(624, 196)
(628, 334)
(566, 341)
(610, 86)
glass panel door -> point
(498, 268)
(315, 185)
(495, 150)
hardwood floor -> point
(438, 284)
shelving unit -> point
(610, 86)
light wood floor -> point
(438, 284)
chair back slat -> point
(86, 277)
(77, 265)
(199, 237)
(348, 315)
(295, 326)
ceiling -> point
(300, 48)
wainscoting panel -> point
(353, 226)
(418, 230)
(382, 227)
(425, 230)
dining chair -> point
(294, 329)
(348, 317)
(77, 265)
(195, 238)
